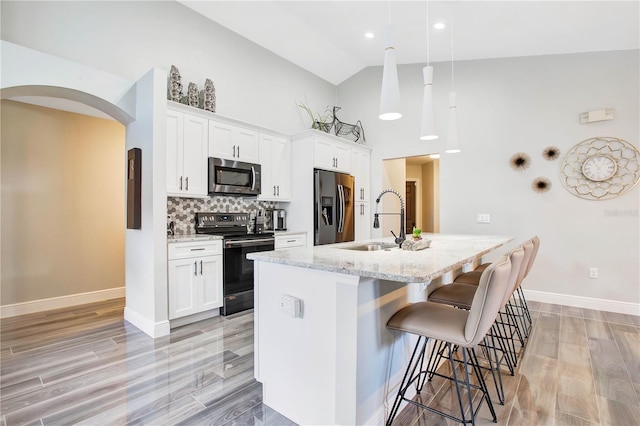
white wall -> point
(523, 104)
(129, 38)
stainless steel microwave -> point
(233, 177)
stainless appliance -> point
(278, 219)
(334, 206)
(237, 242)
(233, 177)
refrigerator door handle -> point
(341, 205)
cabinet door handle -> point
(186, 185)
(238, 151)
(195, 268)
(274, 190)
(201, 267)
(180, 183)
(278, 190)
(197, 249)
(234, 151)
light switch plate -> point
(291, 306)
(483, 218)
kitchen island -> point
(332, 360)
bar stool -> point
(520, 304)
(461, 296)
(456, 328)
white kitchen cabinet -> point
(195, 279)
(361, 170)
(275, 159)
(331, 155)
(363, 220)
(186, 154)
(290, 240)
(233, 142)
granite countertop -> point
(446, 253)
(288, 232)
(185, 238)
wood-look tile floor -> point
(579, 367)
(86, 365)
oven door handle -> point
(249, 243)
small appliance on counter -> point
(259, 224)
(278, 219)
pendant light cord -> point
(428, 31)
(453, 5)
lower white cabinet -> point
(195, 277)
(290, 240)
(363, 220)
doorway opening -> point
(418, 180)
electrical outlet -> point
(483, 218)
(593, 272)
(291, 306)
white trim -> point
(33, 306)
(153, 329)
(179, 322)
(584, 302)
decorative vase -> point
(174, 85)
(192, 95)
(208, 96)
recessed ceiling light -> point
(439, 25)
(369, 35)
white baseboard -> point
(153, 329)
(40, 305)
(179, 322)
(584, 302)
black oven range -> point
(237, 242)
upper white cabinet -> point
(186, 154)
(331, 155)
(275, 158)
(233, 142)
(361, 170)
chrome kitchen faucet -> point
(376, 223)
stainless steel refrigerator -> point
(334, 207)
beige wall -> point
(431, 196)
(62, 203)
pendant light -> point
(453, 145)
(428, 128)
(390, 93)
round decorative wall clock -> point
(600, 168)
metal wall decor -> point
(551, 153)
(541, 184)
(520, 161)
(600, 168)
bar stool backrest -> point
(518, 258)
(487, 300)
(536, 245)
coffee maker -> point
(278, 219)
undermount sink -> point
(371, 247)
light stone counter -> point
(447, 253)
(187, 238)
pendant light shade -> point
(452, 145)
(428, 129)
(390, 93)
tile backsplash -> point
(182, 211)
